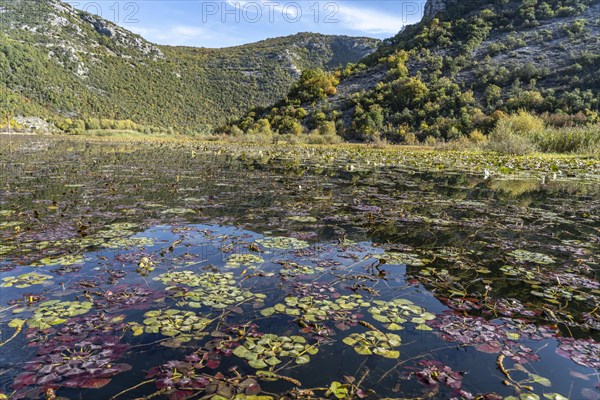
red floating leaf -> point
(93, 383)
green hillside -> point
(74, 68)
(458, 71)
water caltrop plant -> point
(399, 274)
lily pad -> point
(374, 342)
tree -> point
(314, 84)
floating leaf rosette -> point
(554, 294)
(59, 260)
(218, 296)
(268, 350)
(581, 351)
(192, 279)
(282, 243)
(394, 258)
(374, 342)
(120, 243)
(215, 289)
(25, 280)
(521, 272)
(291, 269)
(7, 248)
(172, 322)
(529, 256)
(302, 218)
(246, 260)
(86, 364)
(313, 310)
(396, 312)
(119, 229)
(55, 312)
(178, 211)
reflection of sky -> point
(234, 22)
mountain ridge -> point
(61, 63)
(453, 73)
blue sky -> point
(234, 22)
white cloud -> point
(369, 21)
(351, 17)
(188, 31)
(173, 35)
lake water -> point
(180, 270)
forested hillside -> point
(76, 69)
(464, 66)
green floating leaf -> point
(302, 359)
(269, 349)
(555, 396)
(374, 342)
(16, 323)
(337, 389)
(267, 312)
(282, 243)
(258, 364)
(540, 379)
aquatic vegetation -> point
(25, 280)
(521, 272)
(292, 269)
(125, 298)
(434, 373)
(178, 211)
(553, 294)
(55, 312)
(396, 239)
(402, 259)
(64, 260)
(183, 379)
(582, 351)
(374, 342)
(315, 290)
(89, 363)
(219, 296)
(172, 322)
(282, 243)
(269, 350)
(246, 260)
(528, 256)
(485, 336)
(77, 328)
(302, 218)
(191, 279)
(119, 243)
(395, 313)
(343, 310)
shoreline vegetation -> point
(520, 133)
(478, 160)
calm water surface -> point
(175, 271)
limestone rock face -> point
(432, 7)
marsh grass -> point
(524, 133)
(579, 139)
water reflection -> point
(514, 259)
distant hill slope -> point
(451, 73)
(56, 61)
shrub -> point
(318, 138)
(512, 134)
(477, 137)
(520, 123)
(327, 128)
(507, 142)
(430, 141)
